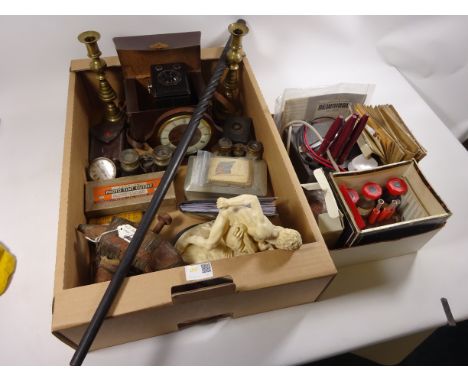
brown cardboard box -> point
(423, 210)
(161, 302)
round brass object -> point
(238, 150)
(254, 150)
(89, 37)
(238, 29)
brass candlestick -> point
(234, 57)
(226, 100)
(106, 94)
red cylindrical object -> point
(357, 217)
(393, 208)
(383, 214)
(343, 136)
(376, 211)
(336, 125)
(388, 211)
(353, 194)
(369, 193)
(396, 186)
(353, 139)
(394, 189)
(371, 190)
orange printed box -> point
(126, 190)
(130, 193)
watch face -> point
(172, 130)
(102, 168)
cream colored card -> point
(225, 170)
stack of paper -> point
(208, 206)
(387, 136)
(312, 103)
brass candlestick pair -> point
(106, 94)
(228, 102)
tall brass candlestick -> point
(234, 57)
(106, 94)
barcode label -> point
(198, 271)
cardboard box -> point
(156, 303)
(423, 211)
(380, 251)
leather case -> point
(136, 55)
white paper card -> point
(126, 232)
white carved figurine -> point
(240, 228)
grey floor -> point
(447, 346)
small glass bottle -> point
(224, 147)
(394, 189)
(238, 150)
(254, 150)
(370, 192)
(147, 163)
(162, 155)
(129, 162)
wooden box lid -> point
(138, 53)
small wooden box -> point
(137, 54)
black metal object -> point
(238, 129)
(122, 270)
(170, 85)
(448, 312)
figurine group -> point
(240, 228)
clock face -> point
(102, 168)
(172, 130)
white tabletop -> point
(365, 304)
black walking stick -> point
(135, 243)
